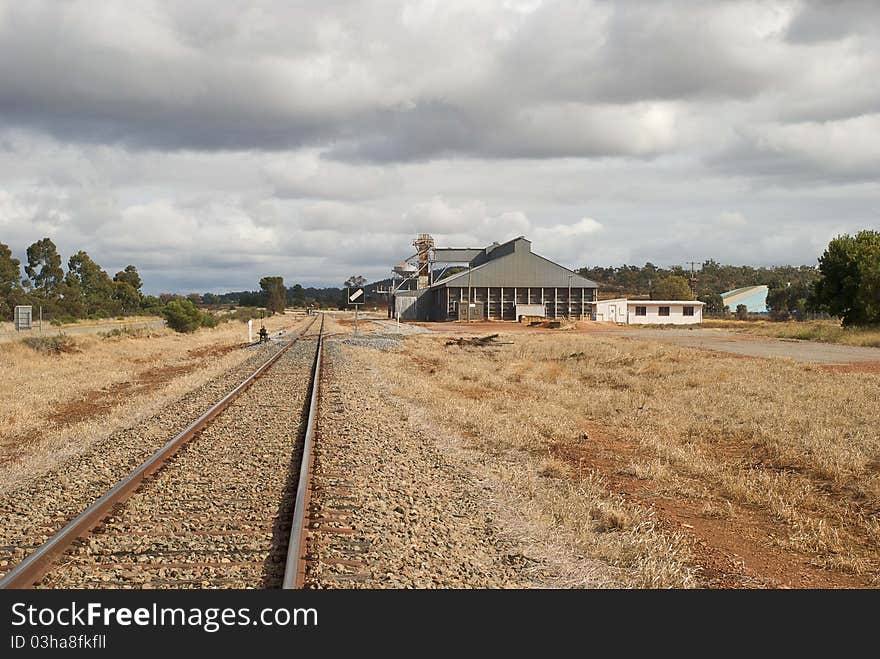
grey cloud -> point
(563, 80)
(211, 143)
(846, 151)
(825, 20)
(628, 52)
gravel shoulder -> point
(423, 511)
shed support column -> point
(501, 304)
(556, 303)
(583, 306)
(529, 295)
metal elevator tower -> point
(424, 244)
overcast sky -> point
(211, 143)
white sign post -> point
(354, 293)
(251, 330)
(355, 299)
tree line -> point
(294, 296)
(85, 290)
(710, 278)
(845, 283)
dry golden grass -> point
(37, 386)
(825, 331)
(9, 328)
(793, 443)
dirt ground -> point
(719, 340)
(671, 465)
(752, 346)
(773, 481)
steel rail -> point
(295, 566)
(30, 570)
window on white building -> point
(664, 311)
(688, 311)
(641, 311)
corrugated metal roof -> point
(514, 264)
(456, 254)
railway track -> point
(222, 505)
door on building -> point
(612, 313)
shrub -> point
(242, 314)
(63, 319)
(51, 345)
(210, 320)
(130, 332)
(742, 312)
(183, 316)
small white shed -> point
(613, 311)
(649, 312)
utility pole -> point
(693, 280)
(469, 295)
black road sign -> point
(355, 295)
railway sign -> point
(23, 317)
(354, 293)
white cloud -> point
(731, 220)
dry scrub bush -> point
(52, 345)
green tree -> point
(10, 282)
(182, 316)
(673, 287)
(297, 296)
(127, 289)
(742, 312)
(130, 276)
(714, 302)
(91, 284)
(849, 279)
(787, 300)
(44, 269)
(276, 295)
(151, 304)
(127, 296)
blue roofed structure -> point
(754, 297)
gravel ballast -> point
(389, 510)
(217, 514)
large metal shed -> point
(498, 279)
